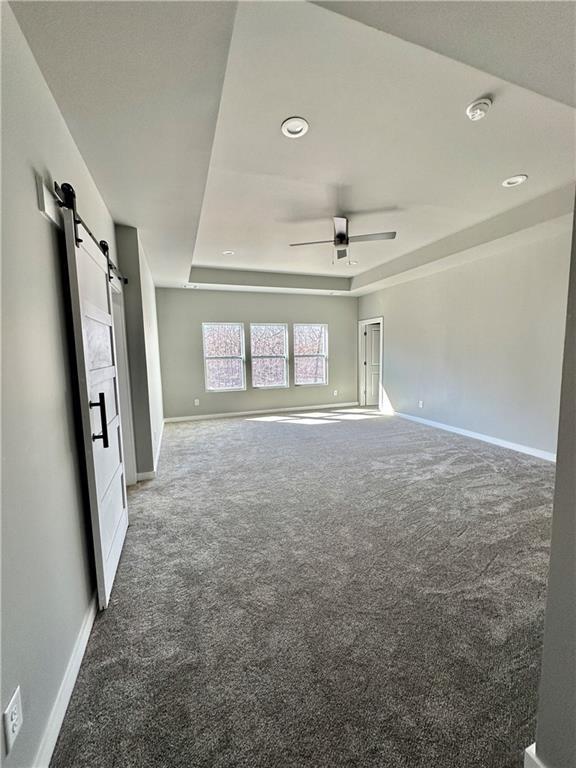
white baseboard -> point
(531, 759)
(292, 408)
(56, 717)
(151, 475)
(546, 455)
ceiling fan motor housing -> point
(341, 239)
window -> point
(269, 350)
(224, 361)
(310, 354)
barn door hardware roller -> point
(66, 198)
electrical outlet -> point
(420, 403)
(335, 393)
(13, 719)
(196, 402)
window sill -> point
(274, 386)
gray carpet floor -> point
(326, 591)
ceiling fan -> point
(342, 239)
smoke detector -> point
(478, 109)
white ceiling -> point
(159, 100)
(527, 42)
(387, 124)
(139, 85)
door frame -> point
(123, 373)
(361, 377)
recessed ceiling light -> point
(479, 108)
(295, 127)
(227, 253)
(515, 181)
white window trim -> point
(285, 357)
(241, 357)
(325, 356)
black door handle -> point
(102, 405)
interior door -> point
(372, 367)
(91, 303)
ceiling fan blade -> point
(375, 236)
(313, 242)
(351, 212)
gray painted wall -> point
(181, 313)
(481, 343)
(46, 575)
(143, 351)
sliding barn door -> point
(91, 303)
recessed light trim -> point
(478, 109)
(227, 253)
(515, 181)
(295, 127)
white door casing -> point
(370, 385)
(91, 305)
(130, 474)
(372, 367)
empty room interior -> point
(288, 384)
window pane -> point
(269, 372)
(268, 339)
(222, 339)
(309, 340)
(224, 374)
(310, 370)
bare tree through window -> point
(269, 350)
(310, 354)
(224, 359)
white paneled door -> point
(372, 363)
(91, 303)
